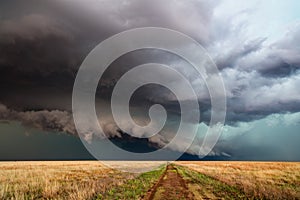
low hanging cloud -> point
(45, 120)
(62, 121)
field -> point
(261, 180)
(49, 180)
(178, 180)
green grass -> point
(211, 185)
(134, 188)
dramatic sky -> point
(255, 45)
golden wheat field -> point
(261, 180)
(57, 180)
(93, 180)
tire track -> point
(170, 186)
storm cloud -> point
(42, 45)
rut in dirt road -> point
(169, 187)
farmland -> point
(179, 180)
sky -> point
(255, 45)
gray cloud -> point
(62, 121)
(278, 59)
(225, 37)
(45, 120)
(253, 96)
(43, 44)
(35, 44)
(232, 54)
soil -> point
(170, 186)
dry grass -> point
(57, 180)
(90, 179)
(264, 180)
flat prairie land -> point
(57, 180)
(257, 180)
(178, 180)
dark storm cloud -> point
(62, 121)
(42, 44)
(48, 45)
(57, 120)
(43, 48)
(40, 52)
(35, 44)
(45, 120)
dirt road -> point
(178, 182)
(170, 186)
